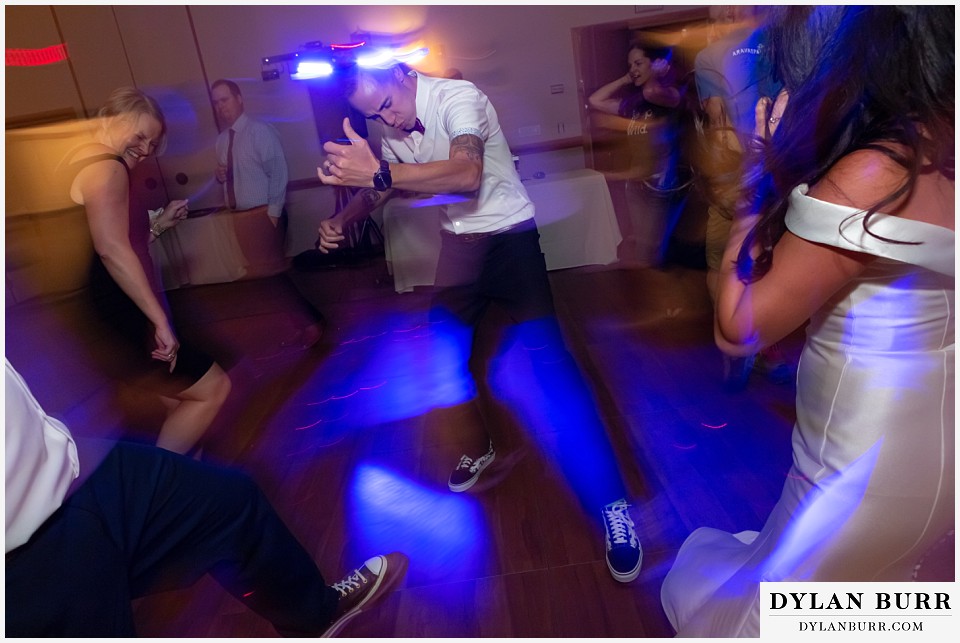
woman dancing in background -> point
(646, 104)
(849, 223)
(130, 128)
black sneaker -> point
(624, 554)
(365, 586)
(468, 471)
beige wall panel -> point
(96, 49)
(164, 62)
(45, 88)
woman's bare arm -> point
(104, 191)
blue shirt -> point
(259, 166)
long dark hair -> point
(650, 49)
(860, 78)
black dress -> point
(130, 332)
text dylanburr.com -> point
(841, 611)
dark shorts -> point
(130, 340)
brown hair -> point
(229, 84)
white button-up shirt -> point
(41, 461)
(447, 109)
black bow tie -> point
(418, 127)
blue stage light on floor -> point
(441, 532)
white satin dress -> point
(872, 482)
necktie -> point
(231, 195)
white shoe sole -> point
(629, 576)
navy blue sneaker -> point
(468, 471)
(366, 586)
(624, 554)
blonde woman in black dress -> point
(129, 128)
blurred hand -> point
(167, 345)
(331, 234)
(221, 173)
(174, 212)
(768, 113)
(352, 165)
(660, 67)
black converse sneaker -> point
(624, 553)
(468, 471)
(364, 586)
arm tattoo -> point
(370, 197)
(469, 146)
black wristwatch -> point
(382, 179)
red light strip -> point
(353, 45)
(35, 57)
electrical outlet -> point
(529, 130)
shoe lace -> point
(466, 462)
(619, 524)
(350, 583)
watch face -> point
(382, 179)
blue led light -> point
(307, 69)
(320, 64)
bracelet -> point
(155, 228)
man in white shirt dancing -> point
(442, 136)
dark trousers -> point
(508, 269)
(148, 520)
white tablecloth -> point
(574, 213)
(217, 248)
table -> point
(574, 213)
(219, 247)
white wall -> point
(513, 53)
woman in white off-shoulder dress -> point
(866, 253)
